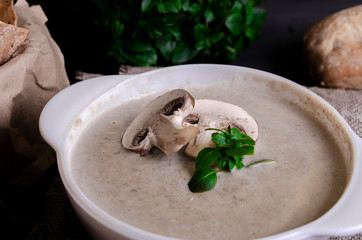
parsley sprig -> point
(231, 147)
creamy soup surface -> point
(151, 192)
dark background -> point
(278, 50)
(42, 210)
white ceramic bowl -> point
(64, 117)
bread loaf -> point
(333, 49)
(11, 38)
(7, 12)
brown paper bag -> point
(27, 81)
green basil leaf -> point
(169, 6)
(161, 7)
(167, 49)
(236, 152)
(221, 162)
(217, 37)
(245, 139)
(166, 45)
(253, 30)
(154, 33)
(203, 180)
(107, 22)
(200, 45)
(209, 15)
(183, 53)
(231, 163)
(138, 45)
(249, 12)
(228, 27)
(206, 158)
(219, 138)
(117, 56)
(237, 7)
(176, 33)
(251, 33)
(176, 5)
(231, 54)
(235, 133)
(238, 144)
(230, 50)
(147, 58)
(259, 15)
(185, 5)
(118, 28)
(239, 164)
(234, 22)
(200, 32)
(239, 45)
(146, 5)
(195, 8)
(208, 42)
(169, 21)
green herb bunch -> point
(231, 147)
(157, 32)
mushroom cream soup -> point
(151, 192)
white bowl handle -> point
(59, 113)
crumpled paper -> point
(27, 82)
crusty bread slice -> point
(11, 38)
(7, 12)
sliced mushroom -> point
(220, 115)
(159, 124)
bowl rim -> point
(109, 82)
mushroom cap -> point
(159, 124)
(220, 115)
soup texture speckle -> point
(151, 192)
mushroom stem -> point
(159, 124)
